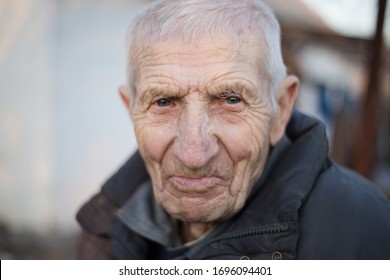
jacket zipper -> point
(260, 231)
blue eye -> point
(233, 100)
(163, 102)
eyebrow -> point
(228, 92)
(238, 88)
(219, 89)
(155, 89)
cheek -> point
(153, 140)
(247, 143)
(245, 140)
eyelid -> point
(225, 94)
(171, 98)
(153, 97)
(157, 97)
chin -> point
(193, 213)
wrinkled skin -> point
(204, 123)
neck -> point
(191, 231)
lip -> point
(195, 184)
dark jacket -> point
(303, 207)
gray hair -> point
(190, 20)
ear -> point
(286, 99)
(125, 95)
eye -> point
(232, 100)
(163, 102)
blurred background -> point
(64, 131)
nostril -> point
(193, 158)
(195, 155)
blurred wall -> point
(63, 129)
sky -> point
(351, 17)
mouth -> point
(191, 184)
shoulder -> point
(97, 217)
(339, 186)
(344, 217)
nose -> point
(195, 144)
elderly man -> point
(225, 170)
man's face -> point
(203, 119)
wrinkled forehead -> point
(244, 49)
